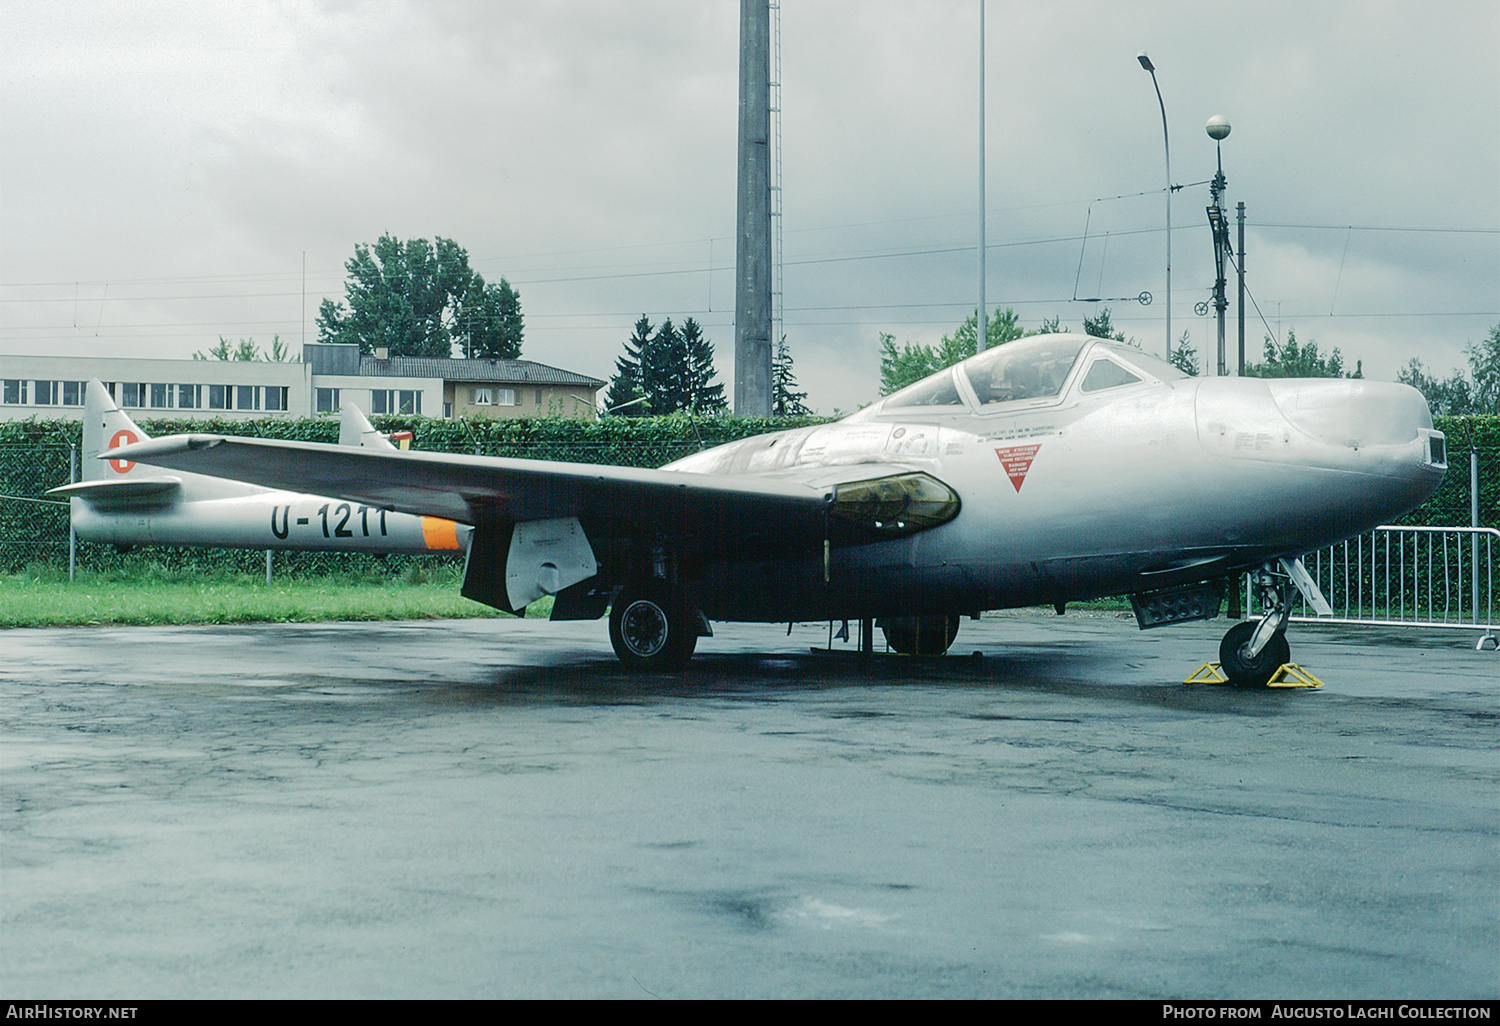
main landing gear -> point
(920, 635)
(1254, 650)
(653, 627)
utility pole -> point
(1240, 263)
(1218, 130)
(752, 298)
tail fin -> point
(356, 430)
(106, 426)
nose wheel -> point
(1252, 671)
(1254, 650)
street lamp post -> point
(1167, 146)
(982, 333)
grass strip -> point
(26, 601)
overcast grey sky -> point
(167, 168)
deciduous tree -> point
(1298, 361)
(418, 298)
(247, 350)
(910, 363)
(1462, 394)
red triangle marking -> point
(1017, 461)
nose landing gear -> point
(1254, 650)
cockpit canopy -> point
(1033, 371)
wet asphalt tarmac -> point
(496, 809)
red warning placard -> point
(1017, 461)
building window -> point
(133, 395)
(189, 397)
(15, 391)
(386, 400)
(46, 393)
(539, 397)
(161, 397)
(505, 397)
(218, 397)
(328, 400)
(246, 397)
(483, 397)
(275, 397)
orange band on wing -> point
(438, 533)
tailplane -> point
(356, 430)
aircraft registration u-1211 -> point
(1049, 469)
(126, 502)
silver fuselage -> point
(1160, 482)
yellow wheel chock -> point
(1288, 675)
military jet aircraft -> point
(1050, 469)
(126, 502)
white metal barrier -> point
(1409, 577)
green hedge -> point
(35, 455)
(1449, 506)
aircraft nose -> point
(1353, 413)
(1375, 436)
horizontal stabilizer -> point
(122, 493)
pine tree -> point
(672, 368)
(785, 400)
(626, 388)
(662, 373)
(699, 394)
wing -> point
(710, 514)
(717, 510)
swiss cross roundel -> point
(123, 437)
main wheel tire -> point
(1257, 672)
(920, 635)
(652, 628)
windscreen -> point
(1033, 368)
(938, 390)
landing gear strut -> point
(652, 627)
(1254, 650)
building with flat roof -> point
(328, 376)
